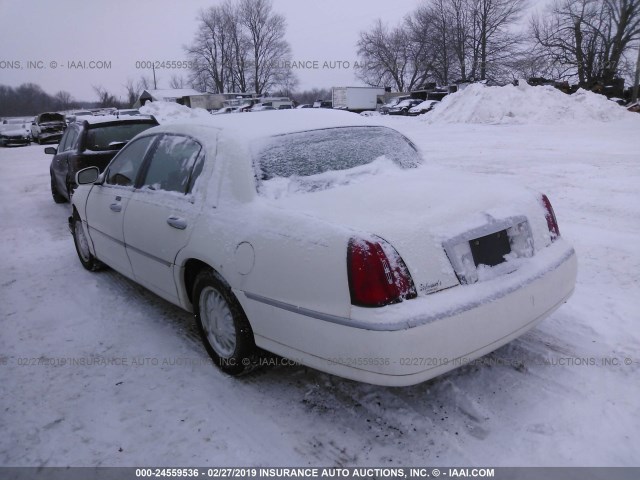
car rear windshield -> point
(314, 152)
(111, 137)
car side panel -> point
(152, 243)
(105, 210)
(271, 255)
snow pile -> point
(524, 104)
(171, 112)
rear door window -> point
(124, 168)
(176, 163)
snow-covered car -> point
(222, 110)
(259, 107)
(15, 132)
(403, 107)
(384, 109)
(322, 104)
(48, 127)
(326, 239)
(423, 107)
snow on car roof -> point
(252, 125)
(286, 121)
(94, 120)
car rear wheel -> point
(224, 327)
(81, 242)
(57, 197)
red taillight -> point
(552, 223)
(377, 274)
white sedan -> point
(326, 239)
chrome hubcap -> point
(217, 321)
(81, 239)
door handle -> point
(116, 207)
(177, 222)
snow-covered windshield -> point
(321, 159)
(310, 153)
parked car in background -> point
(325, 239)
(127, 112)
(403, 107)
(423, 107)
(305, 105)
(322, 104)
(90, 141)
(285, 107)
(48, 127)
(73, 116)
(223, 110)
(384, 109)
(259, 107)
(15, 132)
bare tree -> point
(493, 42)
(443, 40)
(105, 99)
(589, 37)
(63, 100)
(145, 83)
(430, 33)
(391, 57)
(241, 46)
(268, 47)
(133, 92)
(623, 28)
(210, 49)
(177, 81)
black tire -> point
(70, 189)
(234, 356)
(80, 240)
(57, 196)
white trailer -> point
(356, 99)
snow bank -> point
(171, 112)
(523, 105)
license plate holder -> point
(490, 249)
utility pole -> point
(155, 87)
(634, 97)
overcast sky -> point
(125, 31)
(119, 33)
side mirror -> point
(87, 175)
(51, 150)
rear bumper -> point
(419, 339)
(15, 141)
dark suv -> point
(87, 143)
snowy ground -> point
(182, 411)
